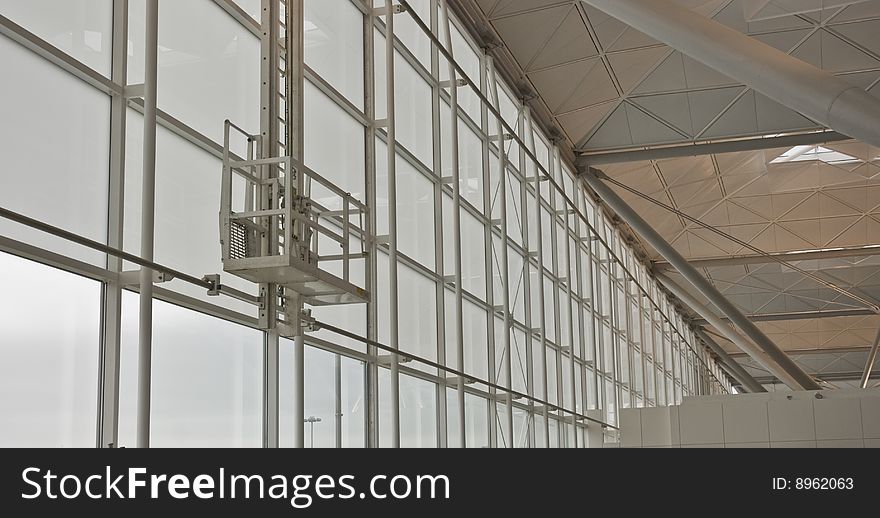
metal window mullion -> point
(527, 293)
(148, 214)
(392, 221)
(456, 220)
(556, 168)
(269, 89)
(107, 429)
(505, 273)
(571, 335)
(539, 240)
(580, 316)
(371, 378)
(439, 266)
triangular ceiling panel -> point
(596, 87)
(718, 216)
(744, 232)
(742, 215)
(680, 171)
(563, 87)
(785, 41)
(684, 195)
(807, 229)
(607, 28)
(840, 56)
(732, 16)
(648, 130)
(831, 228)
(861, 79)
(760, 205)
(787, 240)
(668, 76)
(807, 209)
(783, 203)
(773, 116)
(855, 235)
(698, 75)
(632, 66)
(632, 39)
(570, 42)
(507, 7)
(614, 132)
(706, 105)
(854, 197)
(741, 118)
(830, 207)
(864, 32)
(673, 108)
(525, 34)
(579, 123)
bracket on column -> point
(133, 277)
(461, 82)
(134, 91)
(396, 9)
(387, 359)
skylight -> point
(814, 153)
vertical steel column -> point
(338, 385)
(436, 133)
(505, 271)
(582, 340)
(148, 215)
(593, 261)
(456, 219)
(556, 171)
(488, 247)
(295, 97)
(371, 381)
(108, 396)
(539, 239)
(392, 222)
(527, 288)
(270, 90)
(571, 339)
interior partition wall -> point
(550, 317)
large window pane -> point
(209, 65)
(207, 379)
(334, 45)
(187, 199)
(48, 373)
(81, 28)
(54, 139)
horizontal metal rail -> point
(101, 247)
(513, 393)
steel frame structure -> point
(593, 335)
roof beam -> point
(800, 315)
(763, 349)
(710, 148)
(829, 376)
(732, 366)
(803, 352)
(806, 255)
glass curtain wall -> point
(554, 306)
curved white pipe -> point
(814, 93)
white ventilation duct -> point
(814, 93)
